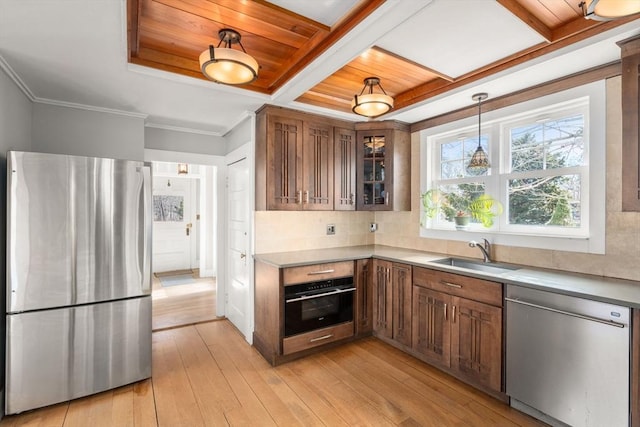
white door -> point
(238, 217)
(172, 224)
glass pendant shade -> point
(227, 65)
(371, 104)
(607, 10)
(479, 163)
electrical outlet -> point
(331, 229)
(373, 227)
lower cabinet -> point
(459, 334)
(363, 311)
(392, 301)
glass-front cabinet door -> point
(374, 172)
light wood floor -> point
(183, 304)
(206, 374)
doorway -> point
(182, 293)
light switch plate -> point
(373, 227)
(331, 229)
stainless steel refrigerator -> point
(78, 317)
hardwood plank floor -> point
(207, 375)
(183, 304)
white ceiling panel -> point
(326, 12)
(454, 37)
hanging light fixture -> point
(607, 10)
(371, 104)
(226, 65)
(479, 163)
(183, 168)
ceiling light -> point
(371, 104)
(226, 65)
(183, 168)
(479, 163)
(607, 10)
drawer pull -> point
(313, 273)
(322, 338)
(451, 285)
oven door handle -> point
(306, 297)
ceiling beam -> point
(525, 16)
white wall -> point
(188, 142)
(240, 134)
(66, 130)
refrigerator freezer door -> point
(79, 230)
(61, 354)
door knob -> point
(189, 228)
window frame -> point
(590, 237)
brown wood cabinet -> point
(363, 312)
(298, 164)
(392, 301)
(401, 302)
(630, 53)
(457, 325)
(345, 169)
(384, 166)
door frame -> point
(245, 151)
(215, 230)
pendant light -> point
(371, 104)
(226, 65)
(607, 10)
(479, 163)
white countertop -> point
(614, 291)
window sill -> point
(592, 245)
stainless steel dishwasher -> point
(567, 358)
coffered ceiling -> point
(141, 56)
(444, 44)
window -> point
(545, 187)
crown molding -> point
(90, 108)
(4, 65)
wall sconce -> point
(183, 168)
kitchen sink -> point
(487, 267)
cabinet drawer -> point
(455, 284)
(317, 272)
(316, 338)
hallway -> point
(184, 300)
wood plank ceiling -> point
(170, 35)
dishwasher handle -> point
(567, 313)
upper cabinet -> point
(630, 127)
(295, 157)
(384, 166)
(310, 162)
(345, 169)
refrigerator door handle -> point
(144, 250)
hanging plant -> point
(429, 205)
(484, 209)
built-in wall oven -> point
(319, 304)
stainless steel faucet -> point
(485, 248)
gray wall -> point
(187, 142)
(240, 135)
(64, 130)
(15, 134)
